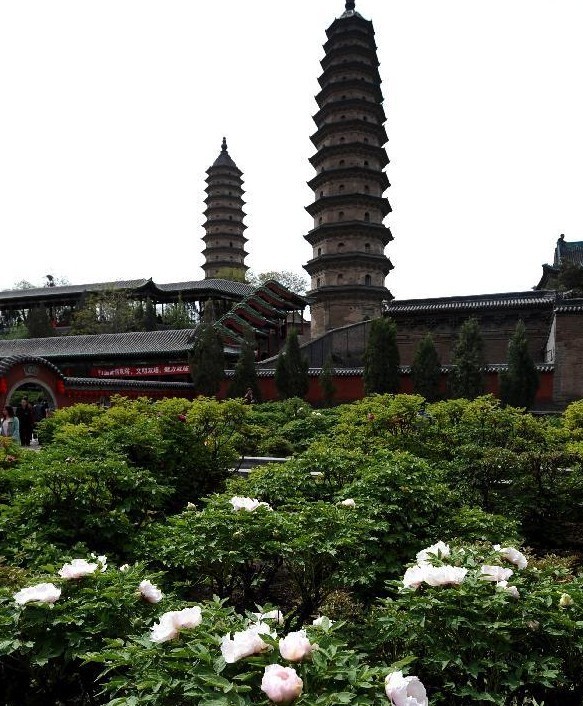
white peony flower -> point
(349, 502)
(270, 615)
(170, 623)
(77, 569)
(124, 567)
(319, 621)
(405, 691)
(512, 555)
(439, 550)
(149, 592)
(414, 577)
(444, 575)
(245, 643)
(295, 646)
(281, 684)
(565, 600)
(101, 559)
(495, 573)
(248, 504)
(512, 590)
(40, 593)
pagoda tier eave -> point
(348, 172)
(372, 230)
(348, 199)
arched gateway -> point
(22, 370)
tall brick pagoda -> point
(349, 265)
(224, 241)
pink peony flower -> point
(295, 646)
(149, 592)
(405, 691)
(77, 569)
(40, 593)
(281, 684)
(495, 573)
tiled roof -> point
(568, 306)
(474, 302)
(115, 345)
(111, 383)
(404, 370)
(220, 286)
(568, 253)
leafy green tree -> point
(177, 315)
(468, 360)
(291, 372)
(245, 373)
(426, 369)
(149, 322)
(38, 324)
(207, 358)
(381, 358)
(326, 382)
(518, 384)
(109, 311)
(292, 280)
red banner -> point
(134, 371)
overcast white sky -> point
(112, 110)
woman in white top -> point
(10, 425)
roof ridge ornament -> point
(224, 145)
(350, 5)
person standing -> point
(10, 425)
(25, 415)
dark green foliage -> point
(571, 278)
(381, 358)
(467, 379)
(327, 383)
(426, 370)
(110, 311)
(291, 373)
(518, 384)
(207, 360)
(149, 316)
(245, 373)
(38, 323)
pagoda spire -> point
(224, 238)
(348, 237)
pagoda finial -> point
(224, 145)
(350, 5)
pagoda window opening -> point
(366, 140)
(343, 139)
(366, 188)
(343, 117)
(340, 215)
(321, 194)
(364, 118)
(340, 247)
(341, 163)
(339, 279)
(366, 162)
(318, 282)
(341, 187)
(230, 218)
(320, 219)
(319, 251)
(367, 280)
(367, 216)
(367, 247)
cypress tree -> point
(207, 357)
(38, 324)
(518, 384)
(327, 383)
(245, 372)
(381, 358)
(426, 369)
(468, 360)
(291, 372)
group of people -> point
(20, 424)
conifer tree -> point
(326, 382)
(381, 358)
(245, 372)
(207, 357)
(291, 372)
(518, 384)
(467, 378)
(426, 369)
(38, 324)
(150, 323)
